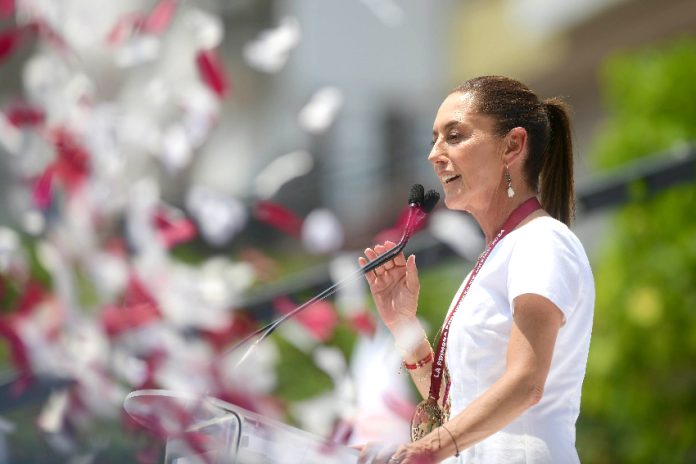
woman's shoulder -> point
(547, 231)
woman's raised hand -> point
(394, 286)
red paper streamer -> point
(155, 23)
(363, 323)
(160, 17)
(139, 309)
(25, 115)
(319, 318)
(43, 188)
(174, 230)
(279, 217)
(399, 405)
(212, 71)
(124, 26)
(72, 163)
(10, 39)
(7, 8)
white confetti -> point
(176, 149)
(137, 50)
(10, 250)
(207, 30)
(270, 51)
(321, 110)
(321, 232)
(219, 216)
(280, 171)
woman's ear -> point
(515, 145)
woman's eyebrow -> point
(447, 127)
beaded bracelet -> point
(420, 363)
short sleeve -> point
(546, 262)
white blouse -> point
(541, 257)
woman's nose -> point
(436, 153)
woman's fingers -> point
(381, 249)
(378, 250)
(412, 282)
(370, 276)
(399, 260)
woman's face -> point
(466, 154)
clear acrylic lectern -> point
(205, 430)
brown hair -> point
(549, 165)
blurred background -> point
(175, 173)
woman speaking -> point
(502, 381)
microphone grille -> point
(416, 195)
(430, 199)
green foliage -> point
(639, 397)
(438, 285)
(298, 377)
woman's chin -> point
(453, 201)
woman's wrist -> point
(410, 339)
(419, 355)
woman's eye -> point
(452, 136)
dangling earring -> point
(508, 179)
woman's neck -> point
(492, 217)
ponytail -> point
(556, 177)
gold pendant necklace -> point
(427, 417)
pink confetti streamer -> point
(10, 39)
(399, 405)
(46, 32)
(279, 217)
(212, 71)
(72, 163)
(363, 323)
(139, 309)
(25, 115)
(340, 435)
(172, 230)
(153, 361)
(320, 318)
(7, 8)
(43, 187)
(32, 295)
(160, 17)
(123, 28)
(155, 23)
(117, 320)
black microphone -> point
(420, 204)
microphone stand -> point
(415, 215)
